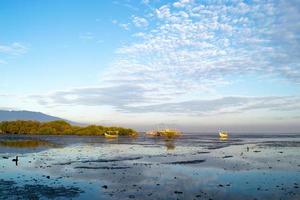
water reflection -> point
(25, 143)
(223, 138)
(170, 144)
(196, 167)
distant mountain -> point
(6, 115)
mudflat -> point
(194, 166)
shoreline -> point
(60, 127)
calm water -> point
(190, 167)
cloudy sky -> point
(197, 65)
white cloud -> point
(224, 105)
(163, 12)
(116, 96)
(14, 49)
(130, 98)
(139, 22)
(125, 26)
(192, 49)
(181, 3)
(195, 47)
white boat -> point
(223, 134)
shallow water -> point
(191, 167)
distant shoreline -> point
(59, 127)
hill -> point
(6, 115)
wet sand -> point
(190, 167)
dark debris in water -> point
(111, 168)
(186, 162)
(112, 160)
(202, 152)
(227, 156)
(104, 186)
(66, 163)
(178, 192)
(10, 190)
(101, 160)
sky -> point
(195, 65)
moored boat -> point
(164, 132)
(111, 134)
(223, 134)
(169, 132)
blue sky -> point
(196, 65)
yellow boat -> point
(169, 132)
(111, 134)
(223, 134)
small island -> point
(60, 127)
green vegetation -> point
(58, 128)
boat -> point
(111, 134)
(169, 132)
(164, 132)
(223, 134)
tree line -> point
(58, 127)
